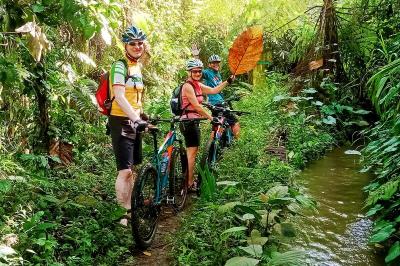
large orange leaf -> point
(246, 50)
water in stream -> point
(337, 234)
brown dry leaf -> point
(316, 64)
(246, 50)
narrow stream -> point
(337, 233)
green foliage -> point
(385, 89)
(254, 198)
(208, 184)
(67, 215)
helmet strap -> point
(134, 59)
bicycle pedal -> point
(170, 200)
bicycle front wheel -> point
(227, 137)
(178, 178)
(211, 154)
(144, 212)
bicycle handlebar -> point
(175, 119)
(224, 109)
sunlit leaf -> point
(383, 234)
(37, 8)
(227, 183)
(309, 90)
(246, 51)
(361, 112)
(6, 251)
(241, 261)
(228, 206)
(247, 209)
(305, 201)
(5, 186)
(256, 238)
(235, 229)
(352, 152)
(394, 252)
(37, 41)
(277, 192)
(279, 98)
(294, 257)
(374, 210)
(254, 250)
(105, 34)
(248, 216)
(85, 59)
(329, 120)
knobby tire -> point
(178, 181)
(144, 212)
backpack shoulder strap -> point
(192, 84)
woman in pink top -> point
(192, 97)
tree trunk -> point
(42, 144)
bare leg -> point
(191, 156)
(123, 189)
(236, 130)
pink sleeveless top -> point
(189, 112)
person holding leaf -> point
(212, 78)
(192, 97)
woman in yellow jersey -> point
(126, 85)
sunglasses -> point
(196, 71)
(135, 43)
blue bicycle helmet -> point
(193, 63)
(214, 58)
(132, 34)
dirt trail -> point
(159, 254)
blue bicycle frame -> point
(162, 162)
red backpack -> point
(103, 92)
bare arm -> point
(208, 90)
(187, 89)
(119, 92)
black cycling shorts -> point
(126, 144)
(191, 132)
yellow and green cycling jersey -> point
(132, 79)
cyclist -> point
(212, 78)
(192, 97)
(126, 85)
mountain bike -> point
(163, 181)
(221, 137)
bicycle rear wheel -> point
(144, 212)
(178, 178)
